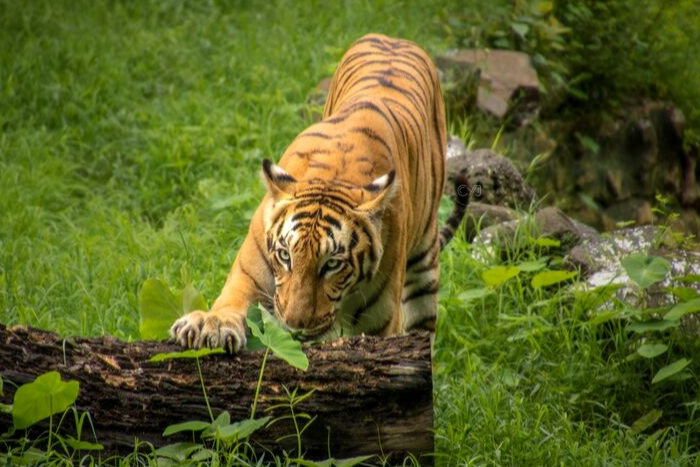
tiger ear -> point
(279, 182)
(381, 191)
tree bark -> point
(371, 395)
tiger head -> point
(323, 240)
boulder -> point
(507, 81)
(494, 179)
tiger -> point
(346, 239)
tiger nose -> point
(297, 321)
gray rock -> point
(549, 222)
(494, 179)
(507, 80)
(481, 216)
(600, 260)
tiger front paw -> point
(201, 329)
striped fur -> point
(346, 241)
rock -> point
(608, 169)
(494, 179)
(481, 216)
(600, 261)
(507, 80)
(549, 222)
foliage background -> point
(131, 138)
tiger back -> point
(346, 240)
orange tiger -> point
(346, 239)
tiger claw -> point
(199, 329)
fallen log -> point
(371, 395)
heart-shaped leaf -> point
(547, 278)
(645, 270)
(652, 350)
(496, 276)
(159, 307)
(670, 370)
(279, 341)
(186, 426)
(45, 396)
(681, 309)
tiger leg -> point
(249, 281)
(420, 292)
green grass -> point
(131, 139)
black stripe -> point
(315, 134)
(255, 282)
(429, 289)
(310, 152)
(419, 257)
(357, 314)
(371, 134)
(263, 256)
(319, 165)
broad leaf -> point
(681, 309)
(532, 266)
(670, 370)
(474, 294)
(496, 276)
(547, 242)
(652, 350)
(192, 353)
(224, 419)
(38, 400)
(177, 451)
(83, 445)
(159, 307)
(645, 270)
(186, 426)
(547, 278)
(279, 341)
(689, 278)
(646, 421)
(239, 430)
(686, 294)
(655, 325)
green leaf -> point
(689, 278)
(474, 294)
(670, 370)
(547, 278)
(239, 430)
(547, 242)
(532, 266)
(652, 350)
(520, 29)
(645, 270)
(605, 316)
(177, 451)
(192, 353)
(279, 341)
(685, 294)
(83, 445)
(45, 396)
(186, 426)
(681, 309)
(655, 325)
(159, 307)
(646, 421)
(223, 419)
(497, 275)
(351, 462)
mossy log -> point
(371, 395)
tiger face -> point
(323, 241)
